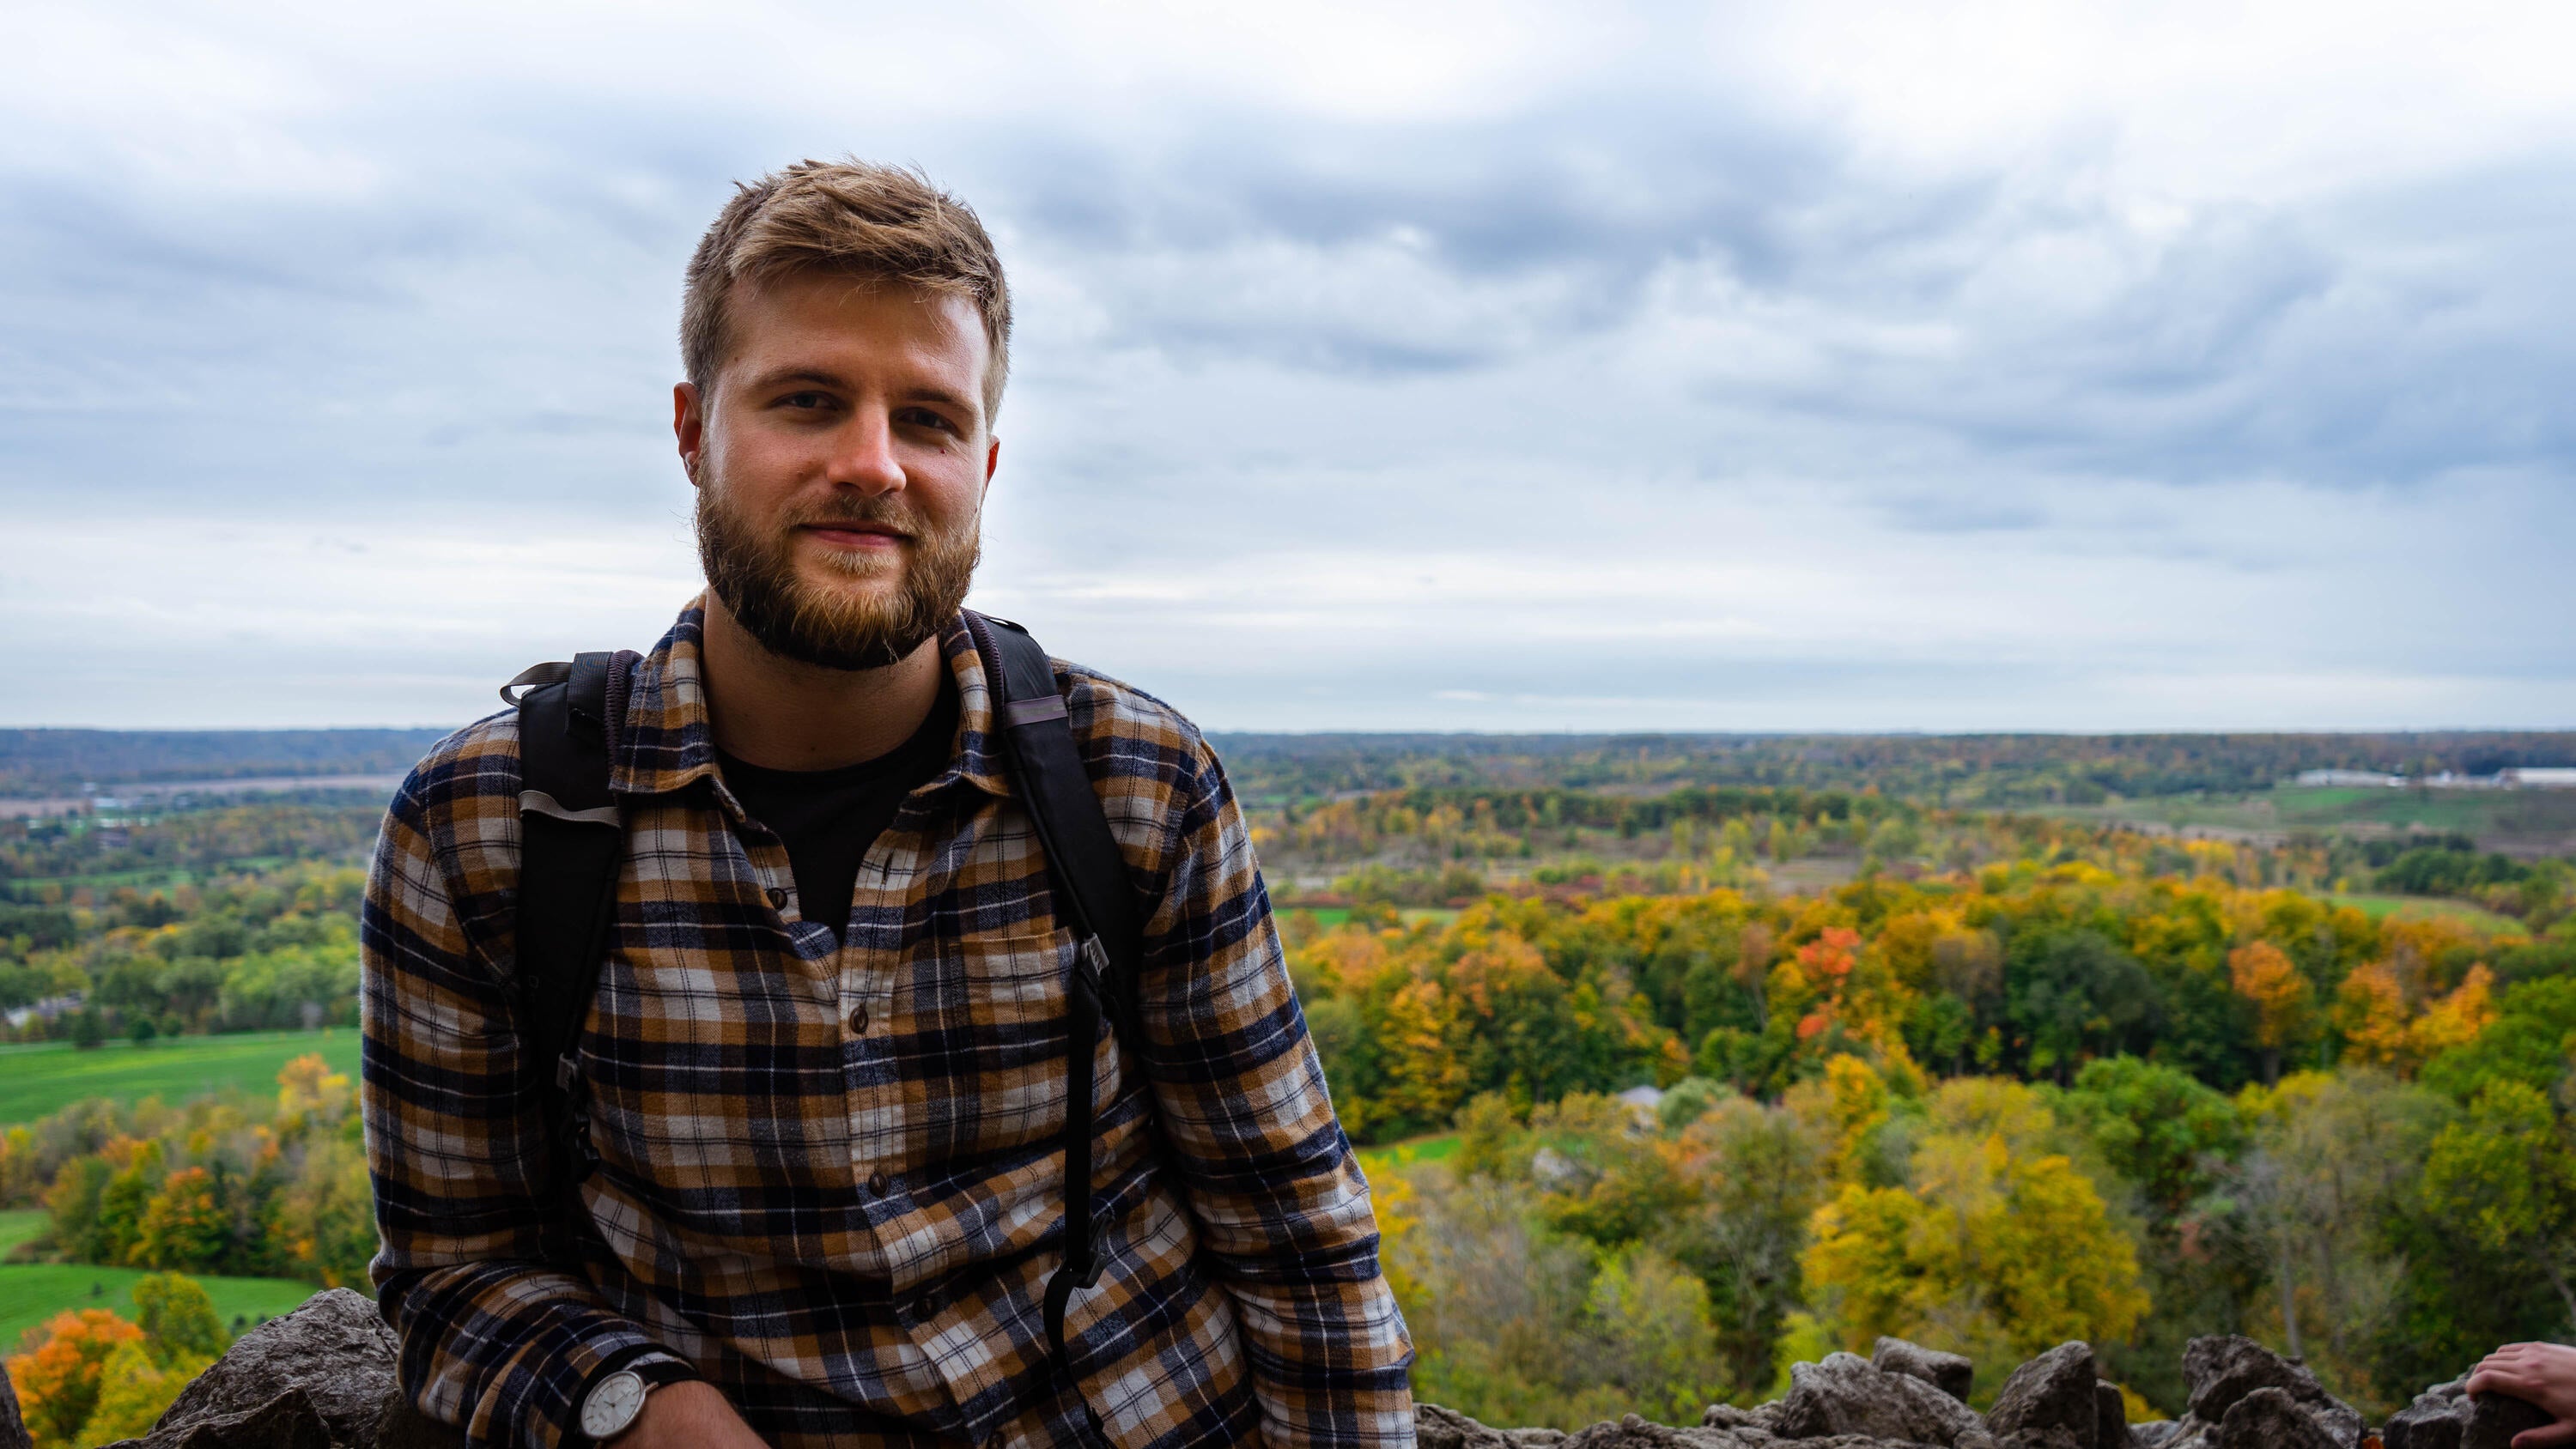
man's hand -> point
(2536, 1373)
(691, 1414)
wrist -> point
(611, 1400)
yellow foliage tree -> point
(1990, 1244)
(2284, 1003)
(2456, 1019)
(1426, 1073)
(2370, 1010)
(134, 1391)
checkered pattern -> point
(829, 1174)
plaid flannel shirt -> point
(829, 1174)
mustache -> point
(879, 511)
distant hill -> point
(1998, 770)
(45, 763)
(1966, 770)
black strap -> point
(570, 840)
(1093, 897)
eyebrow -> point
(944, 397)
(822, 377)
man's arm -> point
(1282, 1211)
(492, 1339)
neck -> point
(787, 715)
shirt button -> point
(858, 1021)
(778, 897)
(877, 1183)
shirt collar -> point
(666, 743)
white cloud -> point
(1543, 366)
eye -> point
(806, 401)
(925, 418)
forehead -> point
(860, 325)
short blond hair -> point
(846, 218)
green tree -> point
(2505, 1178)
(178, 1319)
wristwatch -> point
(610, 1407)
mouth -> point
(870, 536)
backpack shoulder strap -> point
(1092, 894)
(1055, 788)
(570, 840)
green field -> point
(1397, 1158)
(2380, 908)
(32, 1293)
(2516, 821)
(1329, 917)
(45, 1077)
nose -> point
(864, 456)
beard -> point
(754, 572)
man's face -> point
(841, 463)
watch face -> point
(612, 1405)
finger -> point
(2562, 1432)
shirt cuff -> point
(653, 1363)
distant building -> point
(2351, 778)
(2542, 777)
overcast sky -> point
(1493, 367)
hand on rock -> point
(2541, 1374)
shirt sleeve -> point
(493, 1339)
(1282, 1211)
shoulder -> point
(1158, 780)
(462, 799)
(1128, 734)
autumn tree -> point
(1995, 1244)
(2283, 1000)
(58, 1380)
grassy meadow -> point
(39, 1078)
(31, 1293)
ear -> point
(688, 426)
(992, 460)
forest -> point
(1659, 1088)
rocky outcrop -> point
(319, 1377)
(2445, 1417)
(13, 1425)
(2221, 1371)
(1948, 1372)
(323, 1378)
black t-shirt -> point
(829, 818)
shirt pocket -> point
(1001, 1012)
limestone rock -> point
(2155, 1433)
(13, 1425)
(2495, 1418)
(1846, 1395)
(2222, 1369)
(1948, 1372)
(2110, 1418)
(2268, 1418)
(320, 1376)
(1437, 1428)
(2438, 1419)
(2049, 1402)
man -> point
(825, 1064)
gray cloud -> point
(1638, 388)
